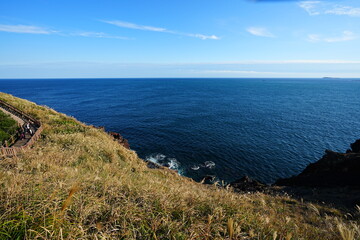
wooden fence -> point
(13, 151)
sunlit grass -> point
(78, 183)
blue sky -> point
(187, 38)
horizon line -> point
(51, 78)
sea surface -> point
(264, 128)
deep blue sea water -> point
(264, 128)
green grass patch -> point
(8, 127)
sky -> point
(187, 38)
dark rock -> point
(334, 180)
(153, 165)
(98, 127)
(332, 170)
(208, 179)
(120, 139)
(116, 136)
(246, 184)
(345, 198)
(355, 147)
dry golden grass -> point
(78, 183)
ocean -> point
(264, 128)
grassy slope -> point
(8, 127)
(76, 182)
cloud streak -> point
(310, 7)
(30, 29)
(25, 29)
(130, 25)
(318, 7)
(98, 35)
(344, 10)
(260, 32)
(135, 26)
(346, 36)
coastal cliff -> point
(333, 180)
(332, 170)
(76, 182)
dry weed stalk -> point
(73, 190)
(230, 227)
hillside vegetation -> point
(78, 183)
(8, 127)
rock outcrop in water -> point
(332, 170)
(334, 179)
(355, 147)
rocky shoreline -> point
(332, 170)
(334, 180)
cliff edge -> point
(332, 170)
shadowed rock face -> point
(246, 184)
(334, 179)
(332, 170)
(153, 165)
(355, 147)
(120, 139)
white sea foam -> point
(173, 164)
(160, 156)
(195, 167)
(151, 159)
(155, 158)
(162, 160)
(209, 164)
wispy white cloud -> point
(346, 36)
(25, 29)
(318, 7)
(202, 36)
(159, 29)
(98, 35)
(258, 31)
(136, 26)
(29, 29)
(310, 7)
(314, 38)
(344, 10)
